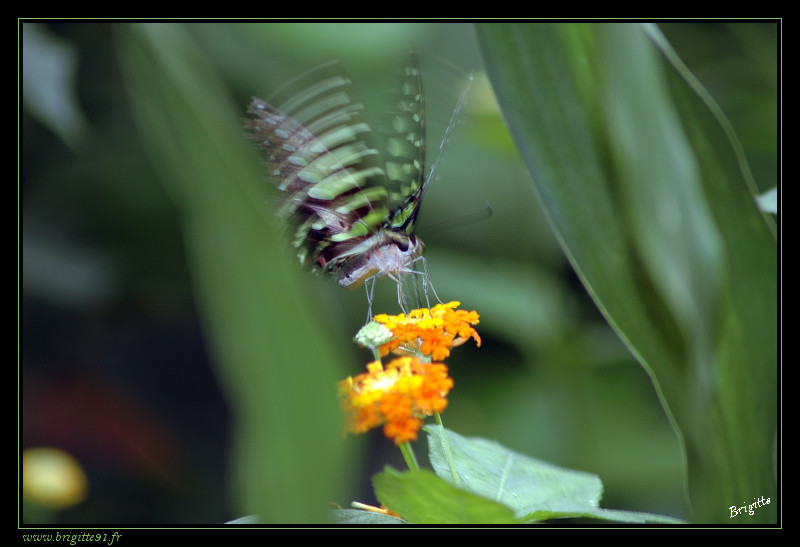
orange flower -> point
(402, 430)
(436, 344)
(398, 396)
(431, 332)
(401, 394)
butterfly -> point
(351, 194)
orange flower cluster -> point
(401, 394)
(397, 396)
(431, 332)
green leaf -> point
(535, 490)
(278, 384)
(628, 517)
(649, 194)
(525, 484)
(421, 497)
(359, 516)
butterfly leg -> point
(401, 295)
(369, 285)
(426, 281)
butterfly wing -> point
(405, 148)
(353, 207)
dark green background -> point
(169, 342)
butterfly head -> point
(393, 254)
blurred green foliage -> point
(649, 192)
(161, 210)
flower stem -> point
(409, 456)
(446, 450)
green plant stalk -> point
(408, 454)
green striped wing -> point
(352, 195)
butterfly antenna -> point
(451, 125)
(458, 222)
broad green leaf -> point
(628, 517)
(421, 497)
(535, 490)
(649, 194)
(523, 483)
(278, 384)
(359, 516)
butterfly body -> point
(353, 203)
(386, 254)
